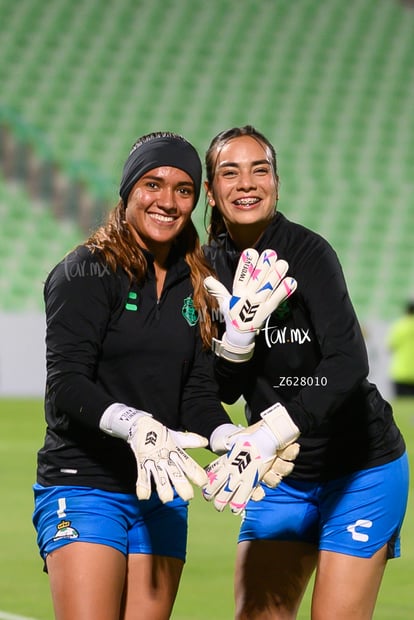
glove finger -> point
(272, 478)
(290, 452)
(235, 475)
(268, 269)
(267, 283)
(162, 481)
(189, 440)
(183, 488)
(282, 292)
(219, 505)
(285, 467)
(239, 500)
(217, 475)
(282, 468)
(260, 279)
(267, 259)
(288, 285)
(258, 494)
(225, 494)
(282, 465)
(208, 495)
(218, 478)
(266, 275)
(189, 467)
(246, 485)
(278, 470)
(143, 485)
(280, 270)
(246, 269)
(217, 289)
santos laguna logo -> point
(285, 335)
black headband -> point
(164, 151)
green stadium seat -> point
(329, 83)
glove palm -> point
(259, 287)
(263, 451)
(161, 457)
(158, 450)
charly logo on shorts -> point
(357, 534)
(189, 312)
(65, 530)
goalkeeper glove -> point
(259, 287)
(234, 477)
(159, 452)
(282, 466)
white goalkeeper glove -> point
(282, 466)
(159, 452)
(222, 439)
(234, 477)
(259, 287)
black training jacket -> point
(311, 357)
(111, 341)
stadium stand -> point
(31, 242)
(331, 84)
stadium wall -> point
(22, 355)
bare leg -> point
(346, 587)
(152, 584)
(271, 578)
(86, 581)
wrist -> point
(279, 422)
(237, 338)
(231, 352)
(264, 440)
(119, 420)
(220, 437)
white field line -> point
(5, 616)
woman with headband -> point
(128, 370)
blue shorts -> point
(64, 514)
(356, 514)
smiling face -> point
(159, 207)
(244, 188)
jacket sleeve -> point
(344, 361)
(233, 379)
(343, 364)
(78, 308)
(201, 407)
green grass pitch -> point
(206, 590)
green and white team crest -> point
(65, 530)
(283, 311)
(189, 312)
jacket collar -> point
(225, 242)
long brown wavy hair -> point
(114, 241)
(216, 225)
